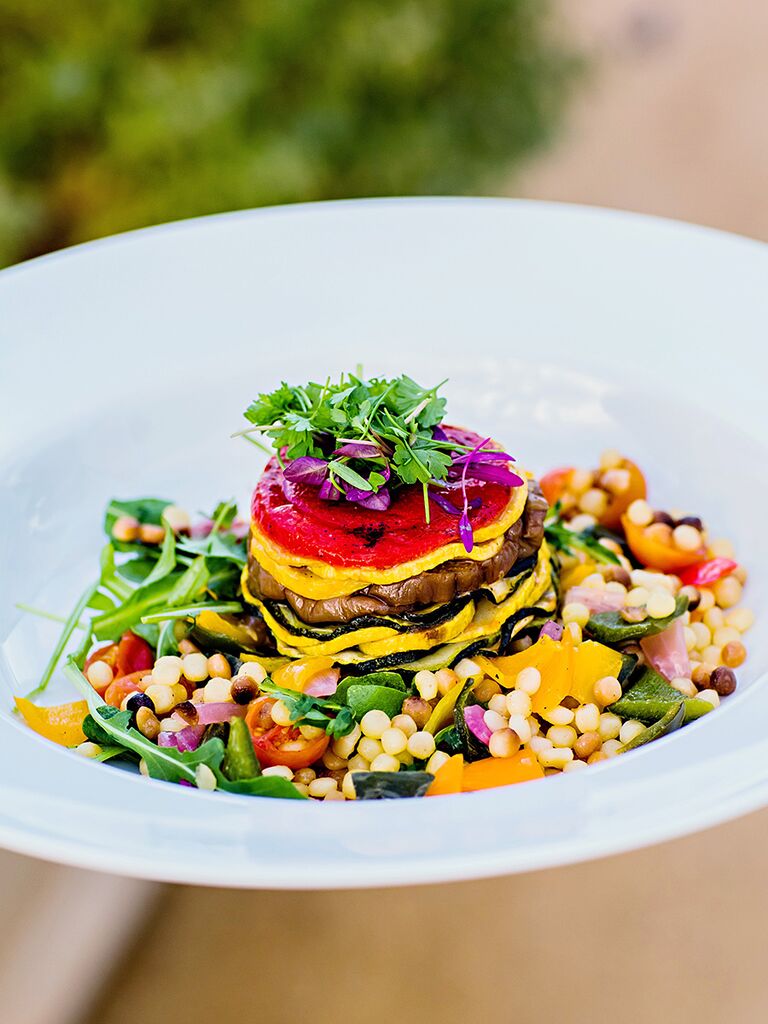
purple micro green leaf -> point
(359, 450)
(307, 470)
(376, 502)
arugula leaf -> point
(68, 629)
(166, 563)
(216, 545)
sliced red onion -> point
(595, 600)
(166, 739)
(667, 652)
(552, 629)
(218, 711)
(306, 470)
(360, 450)
(474, 717)
(189, 738)
(324, 683)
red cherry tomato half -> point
(119, 689)
(133, 655)
(107, 654)
(553, 483)
(708, 572)
(277, 744)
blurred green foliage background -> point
(119, 113)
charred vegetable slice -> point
(672, 720)
(390, 785)
(650, 697)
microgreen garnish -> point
(361, 439)
(562, 538)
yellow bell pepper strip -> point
(296, 674)
(442, 713)
(448, 778)
(62, 724)
(573, 577)
(501, 771)
(592, 661)
(505, 670)
(556, 677)
(655, 554)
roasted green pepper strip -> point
(673, 719)
(650, 697)
(610, 628)
(240, 761)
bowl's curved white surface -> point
(124, 365)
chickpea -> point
(418, 709)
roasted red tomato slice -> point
(277, 744)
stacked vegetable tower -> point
(430, 576)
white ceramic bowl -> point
(125, 364)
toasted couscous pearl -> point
(335, 794)
(147, 723)
(436, 762)
(609, 727)
(722, 548)
(611, 747)
(498, 703)
(686, 538)
(706, 600)
(723, 681)
(597, 757)
(700, 674)
(344, 746)
(702, 633)
(332, 761)
(446, 679)
(710, 696)
(607, 690)
(321, 787)
(177, 518)
(281, 771)
(417, 709)
(426, 684)
(725, 635)
(374, 723)
(594, 581)
(394, 741)
(167, 670)
(521, 726)
(281, 714)
(219, 667)
(587, 743)
(630, 730)
(616, 481)
(162, 697)
(740, 618)
(684, 685)
(518, 702)
(690, 638)
(468, 669)
(172, 725)
(311, 732)
(727, 591)
(301, 788)
(576, 612)
(305, 776)
(637, 597)
(594, 502)
(405, 724)
(562, 735)
(557, 757)
(660, 532)
(88, 749)
(421, 745)
(714, 618)
(494, 720)
(150, 533)
(358, 763)
(369, 748)
(558, 716)
(734, 654)
(579, 480)
(711, 656)
(348, 787)
(186, 646)
(539, 743)
(385, 763)
(126, 529)
(640, 513)
(660, 604)
(611, 458)
(204, 777)
(614, 587)
(504, 743)
(528, 680)
(580, 522)
(486, 689)
(194, 667)
(587, 717)
(573, 766)
(218, 689)
(100, 675)
(405, 758)
(254, 670)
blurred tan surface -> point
(671, 121)
(670, 934)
